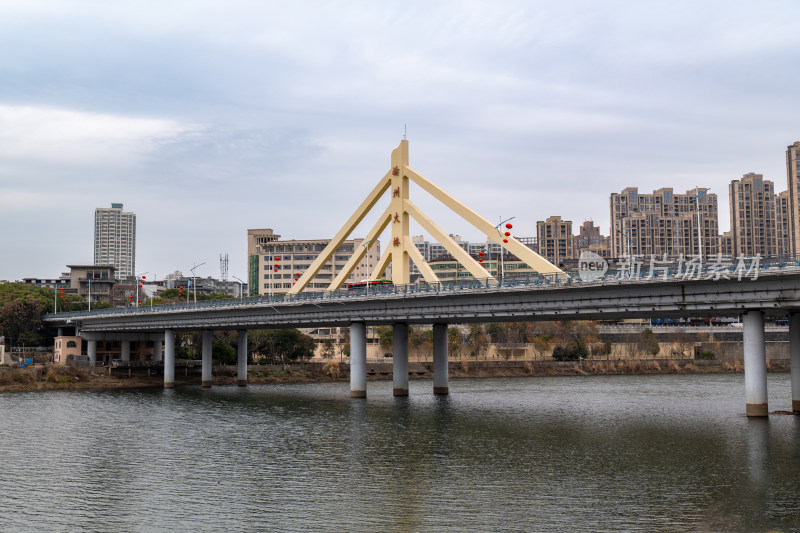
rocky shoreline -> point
(50, 378)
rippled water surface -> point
(611, 453)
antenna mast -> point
(223, 266)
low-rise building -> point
(66, 348)
(3, 360)
(274, 264)
(92, 282)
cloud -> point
(75, 137)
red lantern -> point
(144, 277)
(505, 240)
(295, 280)
(276, 270)
(277, 259)
(480, 260)
(140, 285)
(480, 253)
(140, 301)
(297, 274)
(508, 234)
(509, 226)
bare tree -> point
(477, 340)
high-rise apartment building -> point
(115, 240)
(664, 223)
(269, 275)
(554, 239)
(793, 186)
(783, 223)
(753, 222)
(589, 238)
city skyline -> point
(206, 121)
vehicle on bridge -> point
(358, 288)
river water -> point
(606, 453)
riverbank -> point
(48, 378)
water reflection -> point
(546, 454)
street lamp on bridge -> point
(139, 281)
(194, 280)
(503, 237)
(241, 288)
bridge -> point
(775, 293)
(550, 295)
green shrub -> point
(707, 355)
(571, 352)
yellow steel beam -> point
(536, 261)
(343, 233)
(460, 255)
(348, 267)
(386, 257)
(423, 265)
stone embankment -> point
(48, 377)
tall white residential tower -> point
(115, 240)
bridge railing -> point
(625, 274)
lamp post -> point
(241, 288)
(89, 283)
(366, 251)
(628, 240)
(696, 200)
(139, 279)
(500, 242)
(194, 280)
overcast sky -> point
(207, 118)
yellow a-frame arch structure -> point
(401, 248)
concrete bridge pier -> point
(125, 352)
(794, 352)
(169, 359)
(241, 361)
(206, 351)
(157, 354)
(400, 358)
(755, 364)
(440, 359)
(358, 360)
(91, 351)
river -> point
(605, 453)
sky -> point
(207, 118)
